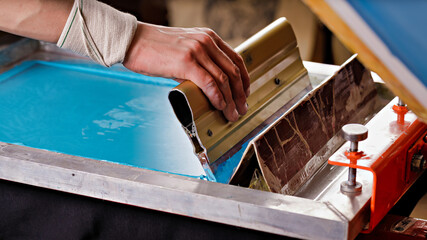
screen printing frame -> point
(320, 205)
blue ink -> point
(226, 169)
(83, 109)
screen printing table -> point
(89, 152)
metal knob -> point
(353, 133)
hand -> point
(195, 54)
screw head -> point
(210, 133)
(354, 132)
(248, 59)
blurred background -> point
(237, 20)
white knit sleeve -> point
(98, 31)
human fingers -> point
(235, 57)
(173, 61)
(189, 68)
(217, 58)
(233, 71)
(207, 84)
(221, 79)
(180, 57)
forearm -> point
(109, 36)
(38, 19)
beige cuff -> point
(98, 31)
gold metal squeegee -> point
(277, 77)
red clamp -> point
(354, 156)
(400, 111)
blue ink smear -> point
(226, 169)
(83, 109)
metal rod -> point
(352, 176)
(352, 171)
(354, 146)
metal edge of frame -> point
(14, 48)
(263, 211)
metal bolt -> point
(277, 81)
(418, 162)
(400, 102)
(210, 133)
(353, 133)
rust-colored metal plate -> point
(291, 149)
